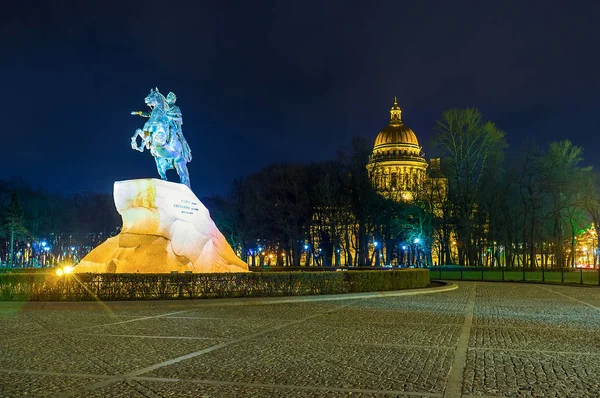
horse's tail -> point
(187, 152)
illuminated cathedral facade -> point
(398, 171)
(397, 166)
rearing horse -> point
(164, 144)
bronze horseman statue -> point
(162, 135)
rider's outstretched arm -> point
(141, 113)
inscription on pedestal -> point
(186, 206)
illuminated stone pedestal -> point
(165, 228)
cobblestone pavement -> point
(480, 340)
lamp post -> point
(260, 256)
(307, 254)
(376, 253)
(46, 250)
(12, 248)
(417, 258)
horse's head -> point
(155, 99)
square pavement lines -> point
(196, 389)
(524, 340)
(320, 364)
(531, 374)
(256, 309)
(89, 354)
(368, 333)
(221, 328)
(20, 385)
(537, 339)
(527, 341)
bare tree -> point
(14, 225)
(470, 148)
(563, 180)
(590, 201)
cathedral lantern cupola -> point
(395, 113)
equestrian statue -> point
(162, 135)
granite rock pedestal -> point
(165, 229)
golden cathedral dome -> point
(396, 133)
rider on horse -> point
(162, 135)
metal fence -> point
(579, 276)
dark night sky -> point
(282, 81)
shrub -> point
(105, 287)
(370, 281)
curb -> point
(238, 301)
(448, 286)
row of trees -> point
(529, 209)
(39, 225)
(323, 214)
(481, 208)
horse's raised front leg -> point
(138, 133)
(184, 176)
(162, 166)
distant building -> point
(399, 171)
(397, 166)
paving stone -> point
(20, 385)
(536, 339)
(589, 295)
(525, 341)
(52, 353)
(256, 310)
(370, 333)
(402, 314)
(91, 354)
(189, 327)
(67, 321)
(527, 374)
(19, 324)
(145, 389)
(319, 363)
